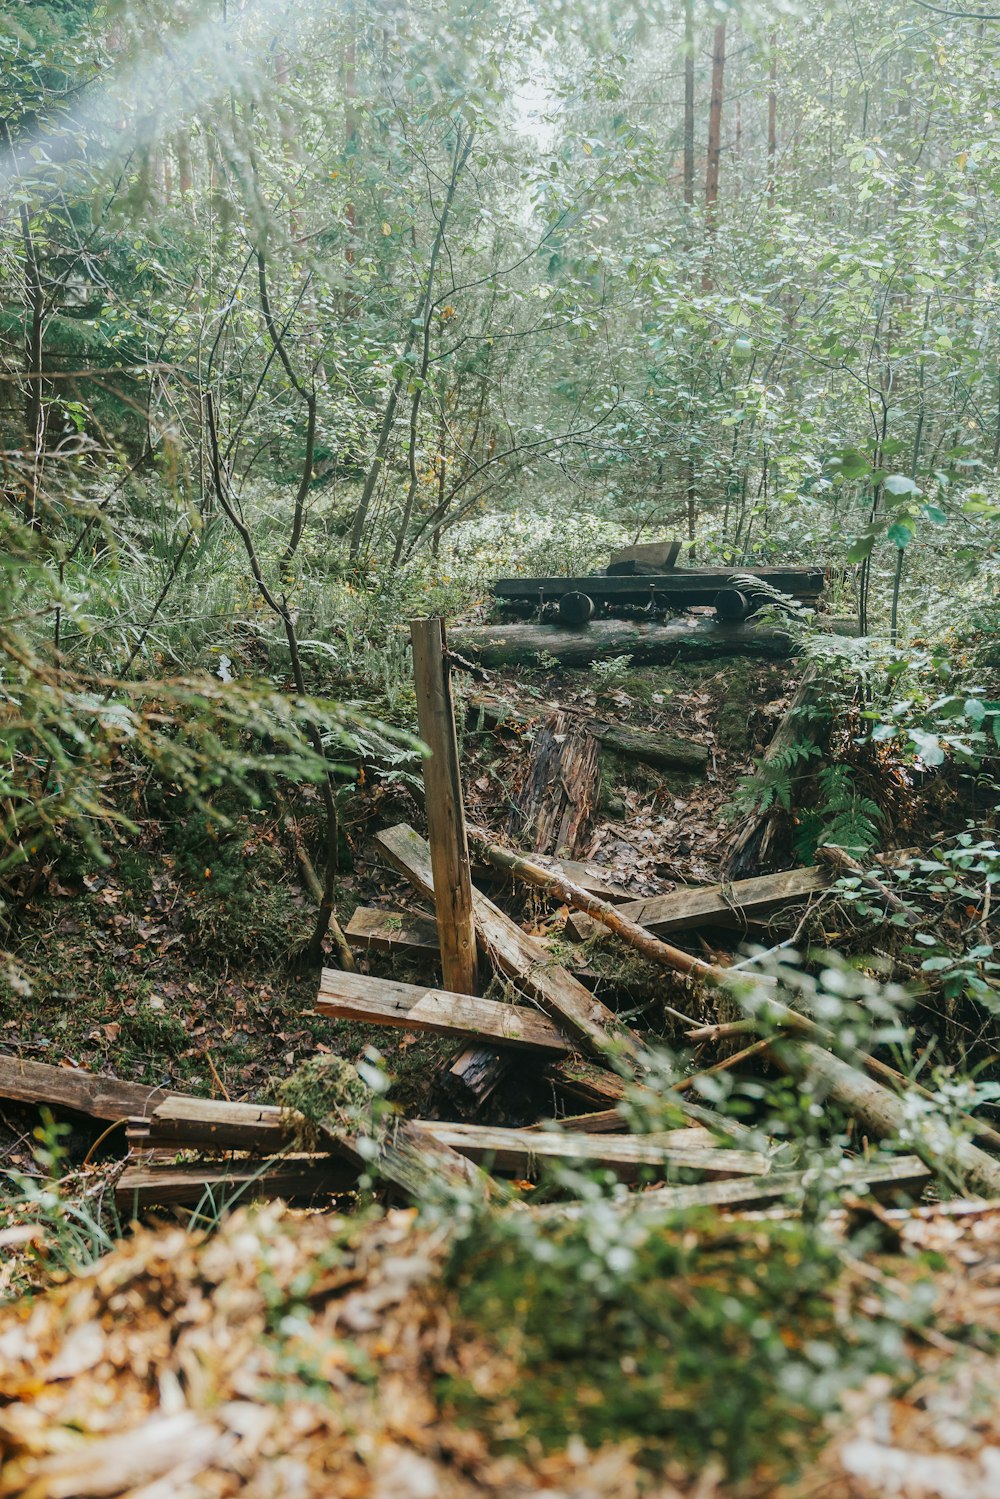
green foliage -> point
(839, 814)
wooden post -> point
(445, 813)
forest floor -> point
(407, 1357)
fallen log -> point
(349, 996)
(688, 637)
(740, 901)
(91, 1093)
(518, 1152)
(578, 1013)
(557, 798)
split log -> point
(802, 724)
(737, 902)
(349, 996)
(687, 638)
(474, 1075)
(557, 798)
(578, 1013)
(518, 1152)
(900, 1178)
(91, 1093)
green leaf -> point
(900, 535)
(900, 484)
(862, 548)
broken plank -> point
(143, 1186)
(181, 1123)
(586, 1083)
(741, 901)
(92, 1093)
(521, 957)
(350, 996)
(898, 1178)
(520, 1151)
(372, 930)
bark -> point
(556, 800)
(685, 638)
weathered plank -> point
(741, 901)
(350, 996)
(579, 1014)
(374, 930)
(92, 1093)
(142, 1186)
(209, 1124)
(449, 850)
(686, 637)
(628, 1156)
(900, 1178)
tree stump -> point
(558, 796)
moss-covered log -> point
(647, 644)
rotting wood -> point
(522, 958)
(801, 724)
(142, 1186)
(416, 1007)
(449, 850)
(586, 1083)
(411, 1161)
(557, 797)
(649, 746)
(213, 1124)
(687, 637)
(518, 1152)
(92, 1093)
(400, 932)
(610, 916)
(900, 1177)
(739, 902)
(475, 1075)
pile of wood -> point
(515, 1011)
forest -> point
(499, 749)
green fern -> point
(842, 816)
(772, 781)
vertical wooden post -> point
(445, 812)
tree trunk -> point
(715, 119)
(556, 800)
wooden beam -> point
(213, 1124)
(350, 996)
(449, 850)
(739, 902)
(682, 584)
(578, 1012)
(628, 1156)
(687, 638)
(92, 1093)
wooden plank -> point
(93, 1093)
(520, 1151)
(351, 996)
(741, 901)
(902, 1177)
(521, 957)
(374, 930)
(576, 1078)
(143, 1186)
(686, 637)
(449, 850)
(681, 584)
(213, 1124)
